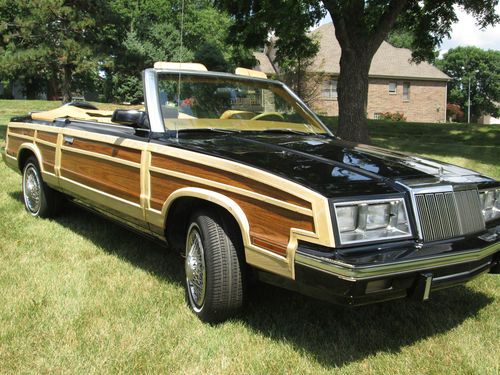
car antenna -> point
(180, 64)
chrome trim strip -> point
(152, 101)
(465, 273)
(423, 190)
(306, 109)
(428, 284)
(354, 273)
(300, 102)
(68, 139)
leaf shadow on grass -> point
(334, 336)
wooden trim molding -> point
(115, 179)
(267, 223)
(47, 137)
(106, 149)
(22, 131)
(224, 177)
(13, 145)
(48, 154)
(142, 179)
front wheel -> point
(39, 199)
(214, 267)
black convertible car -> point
(235, 172)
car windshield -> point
(207, 102)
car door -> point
(101, 165)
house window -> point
(392, 87)
(406, 91)
(329, 89)
(377, 116)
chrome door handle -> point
(68, 140)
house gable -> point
(388, 61)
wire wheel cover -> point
(195, 267)
(31, 189)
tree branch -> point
(386, 21)
(341, 31)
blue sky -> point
(466, 33)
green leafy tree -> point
(56, 40)
(212, 57)
(480, 68)
(360, 28)
(294, 71)
(400, 38)
(153, 33)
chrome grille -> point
(449, 214)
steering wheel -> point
(268, 114)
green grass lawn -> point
(79, 294)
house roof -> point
(389, 61)
(264, 64)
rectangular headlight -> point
(348, 216)
(490, 203)
(377, 215)
(372, 220)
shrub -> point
(392, 116)
(454, 112)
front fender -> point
(213, 197)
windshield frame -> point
(152, 95)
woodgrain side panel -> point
(106, 149)
(48, 157)
(13, 145)
(28, 132)
(269, 225)
(47, 136)
(229, 178)
(112, 178)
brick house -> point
(395, 83)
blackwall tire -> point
(214, 267)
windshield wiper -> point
(209, 130)
(286, 130)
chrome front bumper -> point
(353, 272)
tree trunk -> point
(66, 83)
(52, 88)
(359, 36)
(8, 90)
(31, 88)
(353, 96)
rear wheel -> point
(214, 267)
(39, 199)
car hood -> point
(332, 167)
